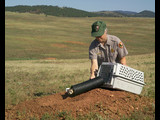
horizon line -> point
(81, 9)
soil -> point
(59, 45)
(50, 58)
(111, 103)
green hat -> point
(98, 28)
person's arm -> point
(123, 61)
(94, 67)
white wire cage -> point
(118, 76)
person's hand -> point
(92, 77)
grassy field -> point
(28, 79)
(30, 40)
(32, 36)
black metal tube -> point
(86, 86)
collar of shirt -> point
(107, 43)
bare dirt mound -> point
(111, 103)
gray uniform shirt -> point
(112, 51)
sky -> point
(91, 5)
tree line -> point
(51, 10)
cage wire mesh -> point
(121, 77)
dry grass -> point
(145, 63)
(26, 79)
(31, 36)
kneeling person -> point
(105, 48)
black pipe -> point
(85, 86)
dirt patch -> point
(59, 45)
(76, 42)
(50, 58)
(74, 51)
(113, 104)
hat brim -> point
(96, 34)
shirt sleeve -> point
(92, 52)
(122, 51)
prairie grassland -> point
(32, 36)
(27, 79)
(145, 63)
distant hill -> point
(145, 13)
(72, 12)
(51, 10)
(126, 12)
(120, 13)
(109, 14)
